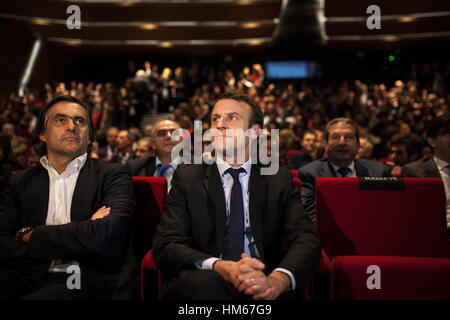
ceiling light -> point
(40, 22)
(148, 26)
(391, 38)
(407, 19)
(255, 42)
(250, 25)
(72, 43)
(165, 44)
(125, 4)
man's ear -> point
(42, 138)
(432, 142)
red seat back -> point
(409, 222)
(291, 152)
(151, 194)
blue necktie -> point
(162, 169)
(344, 171)
(236, 239)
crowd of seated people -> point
(322, 122)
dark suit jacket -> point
(103, 152)
(98, 245)
(192, 227)
(299, 160)
(322, 168)
(142, 167)
(425, 168)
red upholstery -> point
(294, 172)
(409, 222)
(298, 184)
(292, 152)
(150, 278)
(151, 193)
(401, 231)
(96, 120)
(400, 278)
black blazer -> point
(322, 168)
(425, 168)
(142, 167)
(98, 245)
(192, 227)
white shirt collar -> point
(351, 167)
(76, 163)
(441, 164)
(223, 166)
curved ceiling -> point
(221, 26)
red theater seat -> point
(151, 194)
(291, 152)
(406, 278)
(372, 219)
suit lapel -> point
(84, 192)
(431, 169)
(327, 170)
(215, 191)
(361, 171)
(149, 168)
(258, 189)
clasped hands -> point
(248, 277)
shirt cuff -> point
(290, 276)
(206, 264)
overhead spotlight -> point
(72, 43)
(407, 19)
(276, 20)
(148, 26)
(125, 4)
(40, 22)
(243, 2)
(250, 25)
(255, 42)
(165, 44)
(391, 38)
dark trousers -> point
(208, 285)
(35, 283)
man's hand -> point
(229, 270)
(101, 213)
(26, 237)
(255, 283)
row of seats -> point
(382, 238)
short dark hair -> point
(309, 131)
(337, 120)
(257, 115)
(438, 127)
(39, 146)
(414, 144)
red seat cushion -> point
(399, 278)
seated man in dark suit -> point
(162, 165)
(225, 225)
(342, 144)
(438, 166)
(69, 213)
(308, 147)
(110, 150)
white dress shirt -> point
(61, 189)
(249, 244)
(444, 171)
